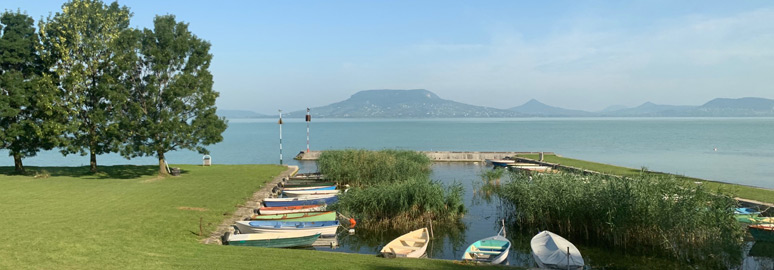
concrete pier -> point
(443, 156)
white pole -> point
(308, 119)
(280, 124)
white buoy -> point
(351, 231)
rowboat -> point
(302, 183)
(272, 240)
(747, 211)
(492, 250)
(310, 188)
(754, 220)
(410, 245)
(309, 200)
(762, 232)
(314, 192)
(287, 227)
(500, 162)
(291, 209)
(306, 216)
(554, 252)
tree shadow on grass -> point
(103, 172)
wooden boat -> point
(306, 193)
(754, 220)
(291, 209)
(309, 200)
(288, 227)
(305, 216)
(410, 245)
(762, 232)
(272, 240)
(554, 252)
(309, 188)
(542, 169)
(500, 162)
(492, 250)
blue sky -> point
(290, 55)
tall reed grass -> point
(364, 167)
(391, 189)
(646, 213)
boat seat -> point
(418, 240)
(406, 243)
(407, 248)
(491, 247)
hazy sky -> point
(290, 55)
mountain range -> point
(420, 103)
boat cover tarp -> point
(551, 249)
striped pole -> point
(280, 124)
(308, 119)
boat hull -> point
(299, 201)
(304, 216)
(551, 251)
(492, 250)
(314, 192)
(762, 232)
(309, 188)
(324, 228)
(269, 240)
(291, 209)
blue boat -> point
(747, 211)
(310, 200)
(310, 188)
(290, 228)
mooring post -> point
(541, 156)
(280, 124)
(308, 119)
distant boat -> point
(310, 200)
(304, 216)
(276, 240)
(747, 211)
(754, 220)
(291, 209)
(762, 232)
(492, 250)
(300, 183)
(312, 192)
(410, 245)
(500, 162)
(288, 227)
(554, 252)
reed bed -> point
(391, 189)
(365, 168)
(647, 213)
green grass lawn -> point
(746, 192)
(125, 217)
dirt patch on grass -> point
(154, 179)
(192, 208)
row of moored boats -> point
(761, 228)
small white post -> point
(280, 145)
(308, 119)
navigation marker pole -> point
(280, 124)
(308, 119)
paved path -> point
(247, 209)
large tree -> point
(172, 100)
(29, 105)
(80, 45)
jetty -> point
(442, 156)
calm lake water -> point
(744, 155)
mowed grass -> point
(741, 191)
(125, 217)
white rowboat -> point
(410, 245)
(554, 252)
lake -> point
(734, 150)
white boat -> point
(299, 228)
(305, 193)
(290, 209)
(492, 250)
(554, 252)
(410, 245)
(307, 197)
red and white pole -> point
(308, 119)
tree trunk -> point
(17, 163)
(162, 163)
(93, 162)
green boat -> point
(276, 240)
(754, 220)
(762, 232)
(304, 216)
(301, 183)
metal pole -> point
(308, 119)
(280, 124)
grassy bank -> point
(127, 218)
(747, 192)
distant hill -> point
(748, 106)
(650, 109)
(537, 108)
(417, 103)
(235, 114)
